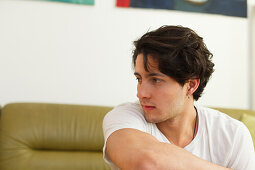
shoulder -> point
(230, 139)
(218, 120)
(125, 111)
(129, 106)
(127, 115)
(219, 128)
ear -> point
(192, 85)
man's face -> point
(161, 97)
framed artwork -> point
(236, 8)
(87, 2)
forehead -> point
(148, 64)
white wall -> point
(66, 53)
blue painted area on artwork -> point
(225, 7)
(87, 2)
(160, 4)
(187, 6)
(229, 7)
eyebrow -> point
(151, 74)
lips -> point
(148, 107)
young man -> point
(165, 130)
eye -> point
(156, 80)
(138, 79)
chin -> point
(151, 119)
(151, 116)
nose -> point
(143, 91)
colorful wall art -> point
(87, 2)
(236, 8)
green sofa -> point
(40, 136)
(36, 136)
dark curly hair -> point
(180, 52)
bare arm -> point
(132, 149)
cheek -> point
(163, 99)
(166, 93)
(168, 96)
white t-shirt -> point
(220, 139)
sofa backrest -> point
(235, 113)
(51, 137)
(0, 111)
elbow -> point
(147, 165)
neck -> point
(180, 130)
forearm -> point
(177, 158)
(131, 149)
